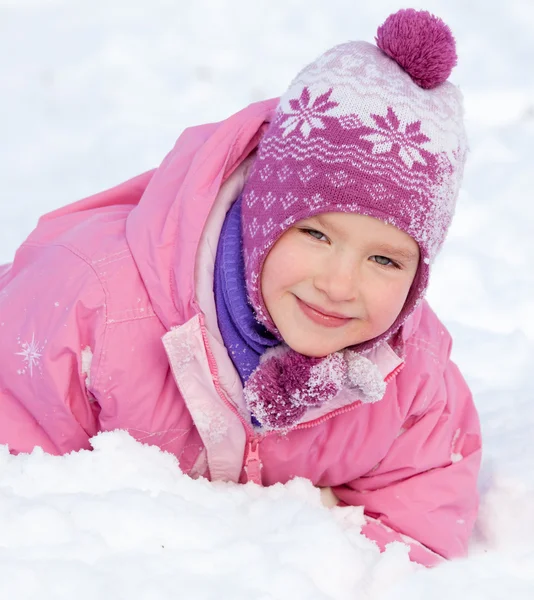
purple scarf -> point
(245, 339)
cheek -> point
(389, 301)
(273, 276)
(267, 283)
(282, 269)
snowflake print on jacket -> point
(31, 353)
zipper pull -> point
(253, 464)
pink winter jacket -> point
(108, 321)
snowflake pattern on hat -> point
(307, 115)
(408, 139)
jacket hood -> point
(165, 228)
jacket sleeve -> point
(424, 491)
(52, 311)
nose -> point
(338, 279)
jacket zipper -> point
(253, 465)
(345, 409)
(330, 415)
(252, 461)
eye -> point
(315, 234)
(384, 261)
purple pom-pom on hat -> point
(286, 384)
(421, 43)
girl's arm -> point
(52, 312)
(424, 491)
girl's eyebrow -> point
(398, 251)
(323, 222)
(387, 249)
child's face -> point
(337, 279)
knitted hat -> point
(372, 130)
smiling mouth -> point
(321, 318)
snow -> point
(95, 92)
(123, 522)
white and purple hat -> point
(373, 130)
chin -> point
(313, 353)
(318, 350)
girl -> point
(255, 304)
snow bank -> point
(124, 522)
